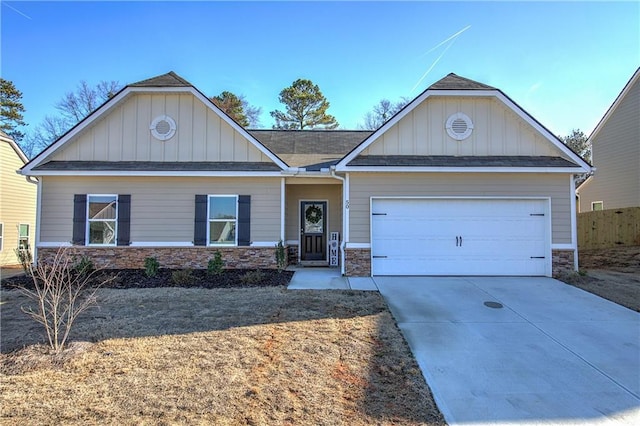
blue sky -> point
(562, 62)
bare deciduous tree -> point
(61, 292)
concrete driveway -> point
(553, 354)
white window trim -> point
(593, 203)
(209, 220)
(88, 221)
(1, 236)
(28, 225)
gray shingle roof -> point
(170, 79)
(455, 82)
(310, 141)
(459, 161)
(175, 166)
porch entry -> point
(313, 230)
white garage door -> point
(460, 237)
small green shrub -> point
(151, 267)
(182, 277)
(215, 265)
(281, 256)
(25, 258)
(252, 277)
(84, 266)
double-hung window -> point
(23, 236)
(222, 216)
(102, 219)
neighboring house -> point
(615, 148)
(17, 203)
(461, 181)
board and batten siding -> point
(363, 186)
(616, 156)
(162, 209)
(17, 203)
(295, 193)
(497, 131)
(124, 135)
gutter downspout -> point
(344, 214)
(38, 183)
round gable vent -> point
(163, 127)
(459, 126)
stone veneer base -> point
(172, 257)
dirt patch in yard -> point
(613, 274)
(257, 356)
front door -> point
(313, 220)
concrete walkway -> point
(552, 354)
(328, 279)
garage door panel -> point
(460, 237)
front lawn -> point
(250, 356)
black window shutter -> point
(79, 219)
(244, 220)
(124, 220)
(200, 225)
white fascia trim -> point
(154, 173)
(48, 244)
(238, 128)
(283, 206)
(28, 170)
(340, 166)
(125, 93)
(574, 220)
(404, 169)
(160, 244)
(562, 247)
(358, 245)
(585, 168)
(38, 220)
(263, 244)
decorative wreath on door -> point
(313, 214)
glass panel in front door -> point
(313, 218)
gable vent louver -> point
(163, 128)
(459, 126)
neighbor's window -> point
(23, 236)
(102, 219)
(223, 213)
(597, 206)
(1, 235)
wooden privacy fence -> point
(609, 228)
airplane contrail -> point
(444, 41)
(452, 40)
(16, 10)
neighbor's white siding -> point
(365, 185)
(616, 156)
(124, 135)
(497, 131)
(162, 209)
(17, 203)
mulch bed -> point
(136, 278)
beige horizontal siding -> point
(297, 193)
(17, 203)
(162, 209)
(124, 135)
(497, 131)
(363, 186)
(616, 156)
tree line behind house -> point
(304, 107)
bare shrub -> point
(252, 277)
(61, 291)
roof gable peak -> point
(454, 82)
(170, 79)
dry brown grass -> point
(227, 357)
